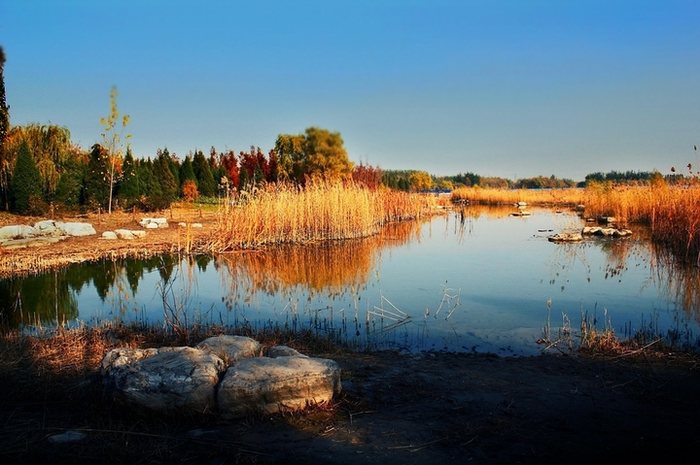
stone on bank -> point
(226, 373)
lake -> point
(475, 279)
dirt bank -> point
(80, 249)
(428, 408)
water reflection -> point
(475, 279)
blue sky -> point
(500, 88)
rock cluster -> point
(42, 233)
(589, 231)
(224, 373)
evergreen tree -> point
(26, 181)
(129, 184)
(69, 190)
(164, 179)
(205, 180)
(187, 171)
(97, 184)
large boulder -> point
(47, 228)
(76, 229)
(166, 381)
(274, 384)
(17, 232)
(231, 348)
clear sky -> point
(499, 88)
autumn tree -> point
(420, 180)
(229, 162)
(113, 143)
(367, 175)
(318, 153)
(291, 157)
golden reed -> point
(320, 211)
(673, 212)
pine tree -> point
(187, 171)
(205, 180)
(26, 181)
(97, 181)
(163, 177)
(129, 184)
(69, 190)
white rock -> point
(139, 234)
(124, 234)
(273, 384)
(151, 226)
(47, 228)
(197, 225)
(76, 229)
(17, 232)
(109, 235)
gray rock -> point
(122, 356)
(274, 384)
(283, 351)
(181, 378)
(566, 237)
(231, 348)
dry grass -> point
(561, 197)
(321, 211)
(672, 211)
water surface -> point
(473, 280)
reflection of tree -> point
(49, 298)
(45, 299)
(330, 267)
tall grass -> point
(673, 212)
(510, 196)
(321, 211)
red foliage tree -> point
(229, 161)
(367, 175)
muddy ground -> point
(428, 408)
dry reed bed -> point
(511, 196)
(320, 211)
(673, 212)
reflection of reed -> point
(677, 281)
(330, 267)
